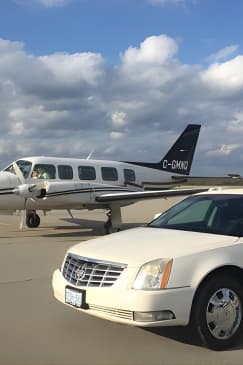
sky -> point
(122, 78)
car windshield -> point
(217, 214)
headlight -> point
(153, 275)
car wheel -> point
(217, 312)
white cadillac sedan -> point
(184, 268)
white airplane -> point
(47, 183)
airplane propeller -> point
(27, 191)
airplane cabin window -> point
(129, 175)
(44, 171)
(109, 173)
(86, 173)
(65, 172)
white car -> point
(184, 268)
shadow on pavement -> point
(184, 335)
(83, 227)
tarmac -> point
(35, 329)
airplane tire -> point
(32, 220)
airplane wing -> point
(141, 195)
(229, 180)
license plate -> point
(74, 297)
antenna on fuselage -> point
(90, 154)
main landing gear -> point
(113, 223)
(32, 219)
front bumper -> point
(122, 304)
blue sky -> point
(78, 75)
(111, 26)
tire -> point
(108, 227)
(217, 312)
(32, 220)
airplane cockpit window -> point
(129, 175)
(44, 171)
(86, 173)
(109, 173)
(65, 172)
(24, 166)
(10, 168)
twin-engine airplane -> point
(47, 183)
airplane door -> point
(83, 193)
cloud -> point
(224, 150)
(70, 104)
(75, 68)
(119, 119)
(223, 53)
(116, 135)
(155, 50)
(168, 2)
(44, 3)
(227, 75)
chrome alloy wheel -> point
(224, 313)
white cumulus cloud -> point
(69, 104)
(119, 119)
(154, 50)
(227, 75)
(223, 53)
(75, 68)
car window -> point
(218, 214)
(196, 213)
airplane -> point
(49, 183)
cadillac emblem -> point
(80, 272)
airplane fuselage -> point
(46, 183)
(75, 183)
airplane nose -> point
(8, 180)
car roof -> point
(223, 190)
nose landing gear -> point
(113, 223)
(32, 219)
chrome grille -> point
(82, 271)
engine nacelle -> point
(27, 190)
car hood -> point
(138, 245)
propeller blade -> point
(23, 214)
(19, 173)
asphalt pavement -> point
(36, 329)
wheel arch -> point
(230, 270)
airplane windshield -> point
(25, 167)
(217, 214)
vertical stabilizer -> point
(178, 159)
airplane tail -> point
(178, 159)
